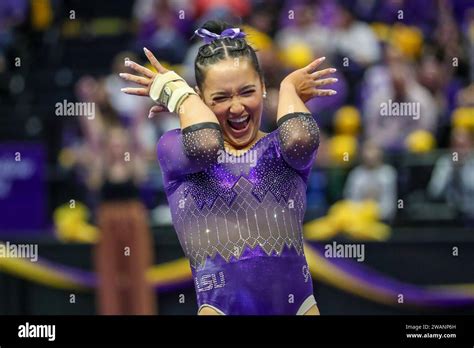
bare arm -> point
(302, 85)
(192, 111)
(200, 140)
(297, 129)
(289, 101)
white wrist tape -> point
(170, 90)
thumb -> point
(155, 109)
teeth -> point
(239, 120)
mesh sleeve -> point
(190, 150)
(298, 134)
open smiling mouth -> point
(239, 124)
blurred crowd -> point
(405, 89)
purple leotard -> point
(239, 218)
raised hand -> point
(307, 81)
(147, 75)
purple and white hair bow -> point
(233, 33)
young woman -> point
(124, 251)
(237, 195)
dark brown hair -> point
(221, 49)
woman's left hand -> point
(307, 81)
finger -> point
(314, 64)
(324, 92)
(140, 69)
(324, 82)
(155, 110)
(154, 61)
(135, 91)
(320, 73)
(137, 79)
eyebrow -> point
(224, 93)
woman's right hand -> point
(148, 76)
(146, 80)
(155, 110)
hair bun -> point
(216, 26)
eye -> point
(248, 93)
(219, 99)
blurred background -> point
(401, 186)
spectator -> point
(354, 39)
(306, 31)
(373, 180)
(452, 178)
(389, 129)
(355, 46)
(160, 30)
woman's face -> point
(234, 92)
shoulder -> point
(167, 143)
(268, 140)
(388, 171)
(262, 140)
(357, 173)
(169, 135)
(169, 138)
(444, 160)
(272, 136)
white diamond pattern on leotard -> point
(246, 222)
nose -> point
(236, 106)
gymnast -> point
(239, 223)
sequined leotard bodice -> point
(239, 218)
